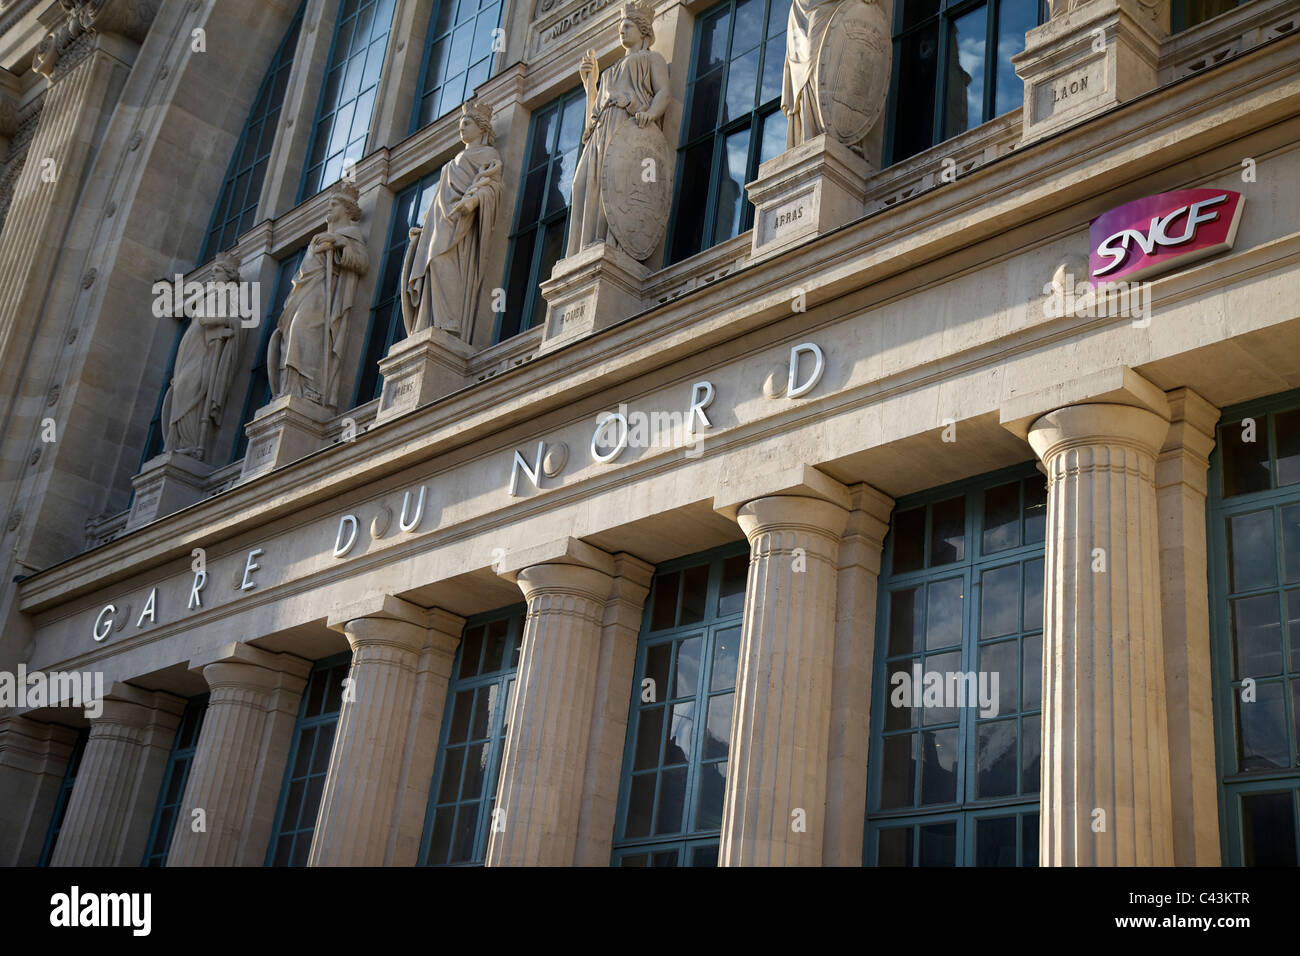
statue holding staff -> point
(442, 273)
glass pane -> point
(1290, 517)
(1245, 456)
(688, 667)
(899, 712)
(1293, 627)
(1251, 560)
(726, 649)
(939, 766)
(917, 55)
(937, 711)
(460, 715)
(775, 126)
(692, 198)
(1268, 829)
(1031, 679)
(1286, 432)
(1002, 517)
(672, 796)
(302, 759)
(904, 621)
(1015, 19)
(1035, 509)
(713, 42)
(475, 770)
(470, 651)
(999, 662)
(731, 595)
(909, 540)
(778, 18)
(463, 840)
(939, 844)
(943, 613)
(706, 94)
(695, 593)
(1029, 838)
(657, 660)
(497, 634)
(717, 727)
(483, 712)
(773, 68)
(320, 761)
(640, 801)
(1000, 601)
(742, 82)
(681, 724)
(894, 847)
(1262, 723)
(995, 841)
(947, 531)
(634, 859)
(1031, 746)
(897, 772)
(665, 858)
(664, 613)
(995, 759)
(1033, 619)
(1256, 636)
(749, 25)
(731, 186)
(713, 786)
(649, 733)
(705, 855)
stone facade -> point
(883, 330)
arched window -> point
(347, 99)
(458, 56)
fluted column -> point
(541, 789)
(1105, 746)
(238, 764)
(774, 810)
(107, 822)
(359, 803)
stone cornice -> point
(68, 42)
(1063, 180)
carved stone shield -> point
(853, 66)
(636, 181)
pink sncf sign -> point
(1159, 233)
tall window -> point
(457, 56)
(675, 759)
(732, 121)
(464, 790)
(259, 385)
(1185, 14)
(1255, 612)
(64, 795)
(954, 772)
(236, 209)
(174, 779)
(952, 68)
(541, 218)
(347, 99)
(309, 762)
(386, 315)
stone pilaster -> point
(239, 762)
(857, 571)
(1180, 495)
(1105, 747)
(112, 803)
(616, 671)
(540, 796)
(775, 805)
(33, 759)
(367, 774)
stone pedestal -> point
(33, 759)
(599, 287)
(1105, 748)
(1078, 64)
(283, 430)
(419, 369)
(113, 799)
(165, 485)
(238, 765)
(805, 192)
(775, 805)
(359, 805)
(541, 787)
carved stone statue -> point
(837, 66)
(307, 346)
(622, 187)
(205, 366)
(443, 270)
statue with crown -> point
(442, 273)
(305, 351)
(622, 187)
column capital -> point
(566, 551)
(385, 606)
(799, 480)
(240, 654)
(574, 579)
(777, 512)
(1118, 385)
(128, 706)
(1078, 426)
(365, 632)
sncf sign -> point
(1160, 233)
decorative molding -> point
(65, 45)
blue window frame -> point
(929, 104)
(542, 215)
(386, 314)
(1254, 568)
(463, 796)
(309, 762)
(236, 209)
(259, 385)
(963, 594)
(347, 98)
(458, 56)
(64, 795)
(679, 725)
(174, 779)
(732, 121)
